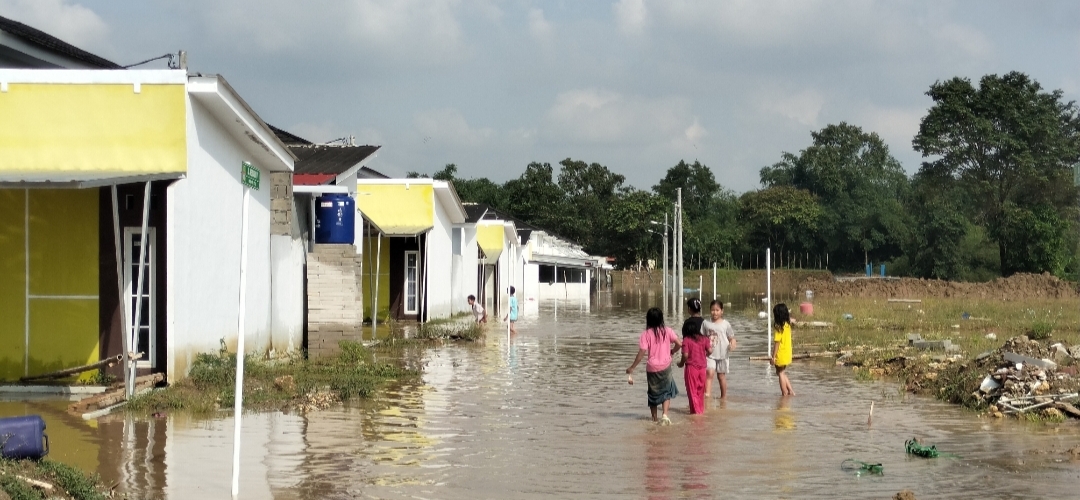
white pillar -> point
(238, 398)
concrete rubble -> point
(1023, 379)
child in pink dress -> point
(695, 349)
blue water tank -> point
(335, 218)
(23, 437)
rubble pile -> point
(1025, 375)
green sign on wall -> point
(249, 175)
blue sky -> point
(636, 85)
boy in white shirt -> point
(478, 310)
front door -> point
(412, 282)
(146, 330)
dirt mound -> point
(1018, 286)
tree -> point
(781, 217)
(939, 226)
(627, 235)
(698, 188)
(1011, 147)
(590, 189)
(860, 186)
(480, 190)
(536, 199)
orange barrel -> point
(806, 308)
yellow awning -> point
(490, 239)
(397, 209)
(64, 132)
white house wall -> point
(440, 271)
(464, 270)
(287, 293)
(204, 219)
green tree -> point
(590, 189)
(627, 235)
(860, 187)
(698, 185)
(1011, 147)
(781, 217)
(536, 199)
(480, 190)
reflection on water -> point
(548, 413)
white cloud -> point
(63, 19)
(605, 117)
(630, 16)
(802, 107)
(448, 127)
(539, 27)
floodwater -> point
(548, 413)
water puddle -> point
(549, 413)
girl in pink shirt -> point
(695, 348)
(656, 342)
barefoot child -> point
(722, 338)
(695, 351)
(781, 354)
(478, 310)
(513, 314)
(656, 342)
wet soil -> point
(1016, 287)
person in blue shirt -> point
(513, 314)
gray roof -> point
(40, 38)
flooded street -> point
(549, 413)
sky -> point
(635, 85)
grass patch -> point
(294, 383)
(68, 482)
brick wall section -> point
(335, 310)
(281, 203)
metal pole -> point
(238, 398)
(665, 280)
(375, 307)
(134, 332)
(679, 243)
(714, 281)
(768, 295)
(124, 303)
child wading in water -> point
(781, 354)
(513, 314)
(656, 342)
(722, 338)
(695, 350)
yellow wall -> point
(85, 128)
(63, 262)
(371, 243)
(12, 282)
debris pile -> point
(1023, 377)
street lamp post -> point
(664, 279)
(679, 251)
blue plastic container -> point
(23, 437)
(335, 218)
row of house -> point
(136, 204)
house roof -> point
(336, 160)
(50, 43)
(241, 121)
(288, 138)
(474, 211)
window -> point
(412, 282)
(456, 240)
(144, 340)
(559, 274)
(547, 274)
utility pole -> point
(679, 254)
(667, 234)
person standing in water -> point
(722, 338)
(695, 351)
(781, 352)
(656, 343)
(513, 314)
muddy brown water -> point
(548, 413)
